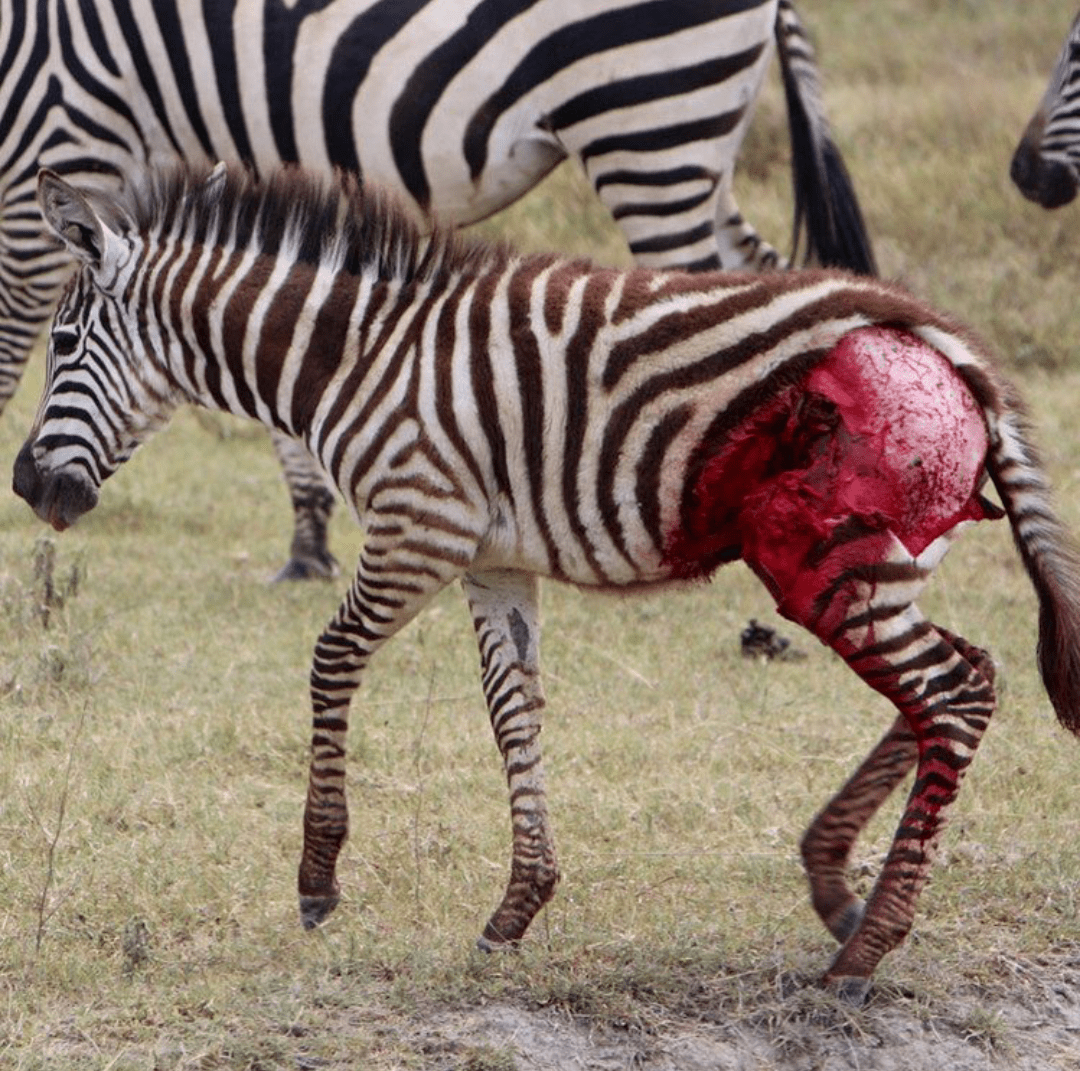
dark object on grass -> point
(760, 641)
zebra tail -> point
(825, 200)
(1050, 556)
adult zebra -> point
(492, 419)
(494, 93)
(1046, 164)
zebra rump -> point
(493, 419)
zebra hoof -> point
(314, 909)
(488, 946)
(308, 569)
(849, 990)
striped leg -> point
(741, 247)
(827, 844)
(504, 608)
(396, 578)
(312, 503)
(948, 703)
(856, 596)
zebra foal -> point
(494, 419)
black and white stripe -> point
(460, 105)
(492, 419)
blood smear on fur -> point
(912, 413)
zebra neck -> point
(287, 342)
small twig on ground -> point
(627, 669)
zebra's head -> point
(1046, 164)
(100, 399)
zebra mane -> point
(336, 220)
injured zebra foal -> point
(493, 419)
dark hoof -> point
(314, 909)
(849, 990)
(307, 569)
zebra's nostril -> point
(1022, 166)
(1048, 182)
(59, 498)
(26, 479)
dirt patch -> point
(805, 1031)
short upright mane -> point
(356, 227)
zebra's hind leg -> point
(827, 844)
(947, 701)
(312, 503)
(504, 607)
(855, 593)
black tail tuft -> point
(825, 200)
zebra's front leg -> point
(312, 502)
(390, 587)
(504, 607)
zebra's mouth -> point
(58, 498)
(1048, 182)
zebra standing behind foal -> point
(492, 419)
(1046, 164)
(462, 105)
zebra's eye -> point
(64, 342)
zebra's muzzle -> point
(59, 498)
(1048, 182)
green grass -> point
(154, 721)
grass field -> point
(154, 718)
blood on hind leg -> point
(827, 844)
(855, 591)
(947, 700)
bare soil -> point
(1037, 1029)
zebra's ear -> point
(75, 221)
